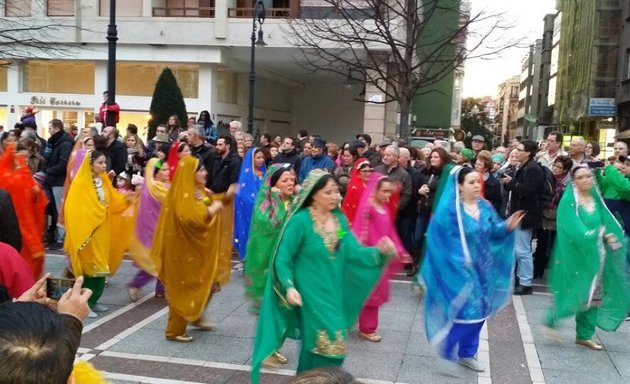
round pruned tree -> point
(167, 101)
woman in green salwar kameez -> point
(588, 263)
(270, 211)
(320, 277)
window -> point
(227, 86)
(3, 77)
(17, 8)
(123, 8)
(138, 79)
(60, 7)
(59, 77)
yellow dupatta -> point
(88, 227)
(184, 248)
(140, 253)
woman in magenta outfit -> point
(372, 223)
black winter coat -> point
(58, 152)
(526, 188)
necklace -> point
(587, 202)
(471, 209)
(329, 236)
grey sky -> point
(482, 77)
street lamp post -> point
(112, 37)
(258, 16)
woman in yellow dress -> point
(185, 248)
(94, 235)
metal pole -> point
(252, 73)
(112, 37)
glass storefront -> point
(138, 79)
(59, 77)
(140, 119)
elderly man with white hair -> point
(235, 126)
(621, 149)
(576, 150)
(394, 171)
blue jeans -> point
(58, 195)
(523, 253)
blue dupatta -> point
(467, 270)
(248, 185)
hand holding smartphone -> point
(55, 288)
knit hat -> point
(478, 138)
(467, 153)
(318, 142)
(498, 158)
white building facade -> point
(207, 45)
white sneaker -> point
(472, 363)
(92, 315)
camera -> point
(595, 164)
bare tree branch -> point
(392, 46)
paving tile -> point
(621, 360)
(378, 366)
(553, 376)
(237, 325)
(417, 370)
(393, 319)
(149, 342)
(567, 358)
(222, 349)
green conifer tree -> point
(167, 101)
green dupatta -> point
(267, 219)
(278, 319)
(576, 263)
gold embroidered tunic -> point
(333, 279)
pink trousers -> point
(368, 319)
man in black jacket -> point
(116, 152)
(57, 154)
(370, 153)
(525, 194)
(289, 154)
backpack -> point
(549, 185)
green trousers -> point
(97, 285)
(585, 322)
(310, 360)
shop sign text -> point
(38, 100)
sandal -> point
(185, 338)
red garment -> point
(15, 274)
(102, 112)
(29, 202)
(354, 191)
(173, 158)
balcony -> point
(270, 13)
(274, 9)
(185, 8)
(207, 12)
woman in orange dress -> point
(29, 201)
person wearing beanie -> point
(317, 160)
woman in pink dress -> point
(373, 221)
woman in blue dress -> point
(249, 182)
(467, 271)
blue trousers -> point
(463, 336)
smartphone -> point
(55, 288)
